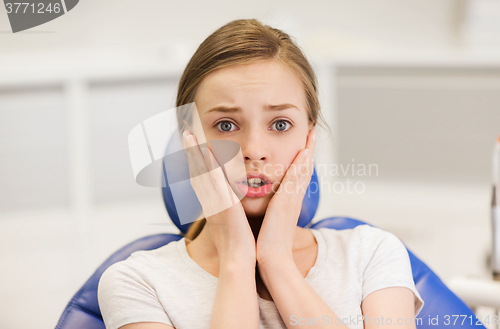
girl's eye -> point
(225, 126)
(281, 125)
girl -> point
(250, 265)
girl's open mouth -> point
(255, 187)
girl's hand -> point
(226, 218)
(276, 235)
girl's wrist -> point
(270, 262)
(237, 260)
(236, 267)
(276, 255)
(278, 268)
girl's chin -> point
(255, 207)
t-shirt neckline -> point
(196, 268)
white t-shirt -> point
(166, 285)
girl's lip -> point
(254, 192)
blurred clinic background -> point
(412, 86)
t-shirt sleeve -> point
(125, 295)
(386, 263)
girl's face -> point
(262, 107)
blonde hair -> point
(244, 41)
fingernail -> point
(305, 152)
(314, 135)
(185, 134)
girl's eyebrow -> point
(238, 109)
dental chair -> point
(82, 312)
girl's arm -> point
(293, 296)
(236, 304)
(395, 303)
(295, 299)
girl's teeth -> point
(254, 182)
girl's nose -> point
(254, 147)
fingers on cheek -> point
(294, 175)
(309, 164)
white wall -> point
(156, 24)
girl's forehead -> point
(267, 82)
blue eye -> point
(224, 126)
(281, 125)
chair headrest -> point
(309, 203)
